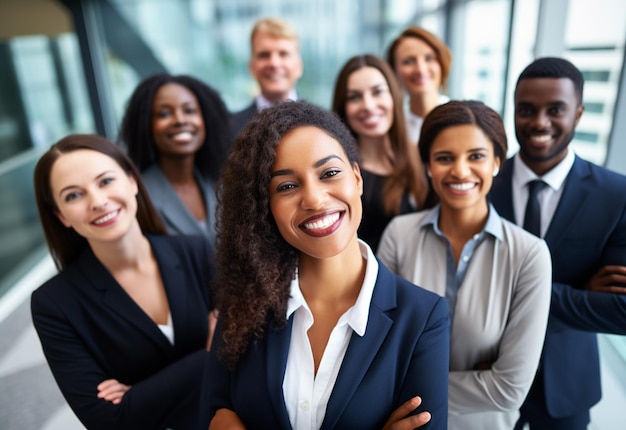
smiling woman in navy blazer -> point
(314, 331)
(124, 324)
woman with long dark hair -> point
(124, 325)
(368, 100)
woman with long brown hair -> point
(422, 64)
(124, 325)
(368, 100)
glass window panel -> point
(52, 87)
(479, 44)
(594, 107)
(596, 47)
(22, 242)
(48, 100)
(596, 75)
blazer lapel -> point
(362, 350)
(176, 287)
(277, 351)
(574, 196)
(168, 204)
(502, 190)
(118, 301)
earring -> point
(495, 172)
(428, 172)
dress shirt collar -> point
(492, 227)
(555, 177)
(263, 103)
(356, 317)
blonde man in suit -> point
(276, 65)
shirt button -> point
(476, 236)
(465, 258)
(304, 405)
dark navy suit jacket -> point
(91, 330)
(587, 232)
(404, 353)
(238, 120)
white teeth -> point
(541, 139)
(370, 120)
(463, 187)
(322, 223)
(106, 218)
(184, 136)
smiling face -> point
(315, 193)
(369, 103)
(462, 165)
(275, 64)
(417, 67)
(177, 124)
(93, 195)
(547, 111)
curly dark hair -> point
(136, 129)
(255, 265)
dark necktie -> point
(532, 217)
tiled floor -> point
(30, 399)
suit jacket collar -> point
(575, 193)
(502, 190)
(277, 351)
(362, 350)
(360, 354)
(91, 273)
(173, 211)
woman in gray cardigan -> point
(495, 275)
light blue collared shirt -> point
(456, 274)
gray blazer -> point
(171, 209)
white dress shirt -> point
(306, 394)
(548, 197)
(414, 122)
(168, 329)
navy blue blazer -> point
(238, 120)
(587, 232)
(404, 353)
(91, 330)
